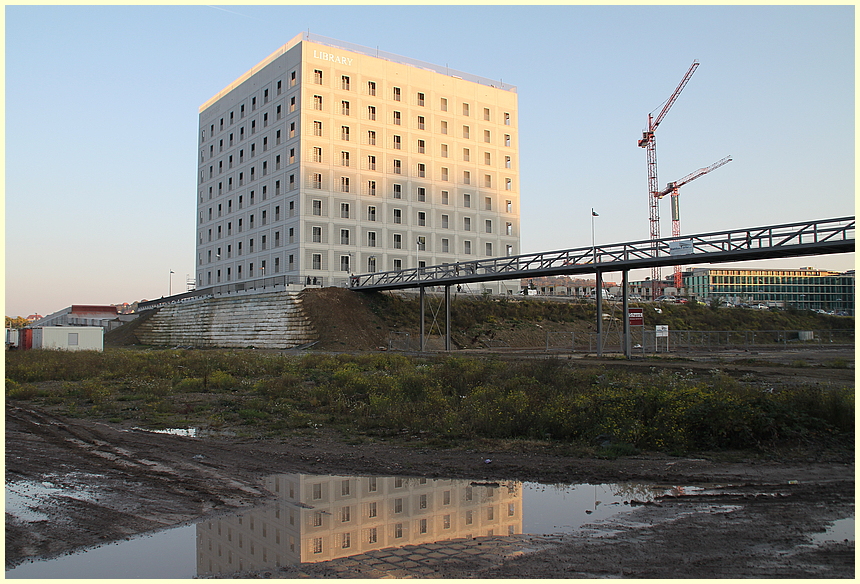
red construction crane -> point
(672, 189)
(648, 142)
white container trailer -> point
(69, 338)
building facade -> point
(328, 159)
(803, 289)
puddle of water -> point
(323, 517)
(23, 498)
(839, 530)
(187, 432)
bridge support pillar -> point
(625, 316)
(421, 332)
(447, 317)
(598, 283)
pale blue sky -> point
(101, 122)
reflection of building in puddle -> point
(320, 518)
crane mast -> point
(648, 142)
(672, 189)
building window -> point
(466, 155)
(318, 102)
(421, 123)
(344, 108)
(507, 119)
(398, 264)
(344, 236)
(467, 200)
(422, 218)
(371, 187)
(488, 203)
(444, 173)
(344, 210)
(344, 133)
(398, 191)
(422, 194)
(371, 137)
(398, 241)
(465, 131)
(467, 177)
(398, 216)
(371, 162)
(445, 245)
(344, 158)
(344, 82)
(371, 239)
(317, 157)
(422, 170)
(317, 129)
(397, 167)
(371, 112)
(487, 158)
(443, 104)
(371, 213)
(318, 76)
(489, 250)
(422, 243)
(316, 206)
(443, 127)
(396, 118)
(444, 221)
(398, 530)
(465, 109)
(467, 223)
(316, 261)
(467, 247)
(371, 264)
(507, 139)
(507, 161)
(396, 94)
(509, 229)
(421, 146)
(444, 152)
(344, 263)
(371, 88)
(344, 184)
(397, 142)
(508, 184)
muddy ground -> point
(140, 481)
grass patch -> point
(443, 401)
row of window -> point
(252, 149)
(420, 122)
(396, 144)
(419, 97)
(346, 184)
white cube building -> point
(329, 159)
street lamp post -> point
(170, 284)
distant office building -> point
(328, 159)
(805, 288)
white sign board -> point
(662, 330)
(681, 247)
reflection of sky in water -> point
(564, 508)
(173, 553)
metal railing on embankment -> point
(647, 341)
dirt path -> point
(133, 482)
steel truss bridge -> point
(823, 237)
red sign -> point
(635, 317)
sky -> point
(102, 111)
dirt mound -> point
(344, 320)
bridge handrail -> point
(799, 233)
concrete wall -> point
(264, 321)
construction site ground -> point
(767, 516)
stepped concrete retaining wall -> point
(265, 321)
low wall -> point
(264, 321)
